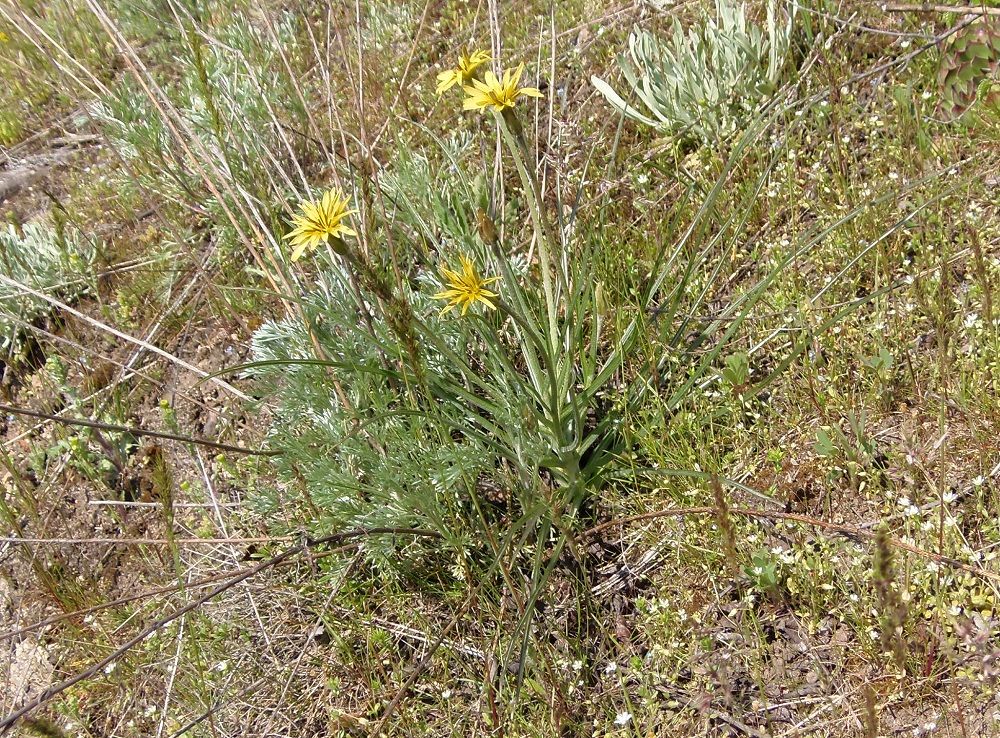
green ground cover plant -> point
(421, 385)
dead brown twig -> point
(145, 541)
(932, 8)
(134, 431)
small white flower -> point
(949, 497)
(611, 668)
(446, 695)
(623, 718)
(577, 665)
(978, 481)
(642, 178)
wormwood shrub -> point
(205, 133)
(221, 92)
(53, 260)
(359, 449)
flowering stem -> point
(508, 121)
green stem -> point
(508, 121)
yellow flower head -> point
(498, 94)
(464, 72)
(465, 288)
(319, 221)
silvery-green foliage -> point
(387, 21)
(139, 135)
(55, 261)
(705, 83)
(353, 449)
(226, 100)
(364, 442)
(430, 204)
